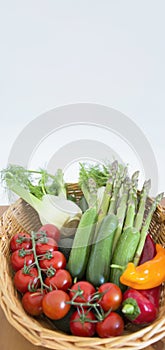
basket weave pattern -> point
(20, 216)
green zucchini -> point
(82, 243)
(123, 254)
(98, 268)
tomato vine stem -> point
(100, 314)
(43, 285)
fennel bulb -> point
(53, 209)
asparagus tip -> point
(114, 166)
(127, 181)
(159, 197)
(147, 184)
(135, 175)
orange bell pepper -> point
(148, 275)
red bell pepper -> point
(138, 308)
(152, 294)
(148, 253)
(149, 250)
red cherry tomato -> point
(18, 259)
(22, 279)
(112, 296)
(57, 260)
(80, 324)
(111, 326)
(87, 290)
(46, 244)
(51, 231)
(32, 303)
(61, 280)
(54, 304)
(20, 240)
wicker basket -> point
(20, 216)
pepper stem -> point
(128, 309)
(120, 267)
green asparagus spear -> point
(142, 203)
(145, 228)
(132, 202)
(89, 190)
(120, 177)
(121, 210)
(106, 197)
(135, 178)
(107, 193)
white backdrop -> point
(57, 52)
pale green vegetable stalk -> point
(105, 201)
(106, 197)
(89, 190)
(121, 211)
(142, 203)
(120, 177)
(100, 195)
(145, 228)
(107, 192)
(132, 202)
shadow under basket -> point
(20, 216)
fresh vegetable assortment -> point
(111, 271)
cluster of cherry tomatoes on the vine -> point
(46, 286)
